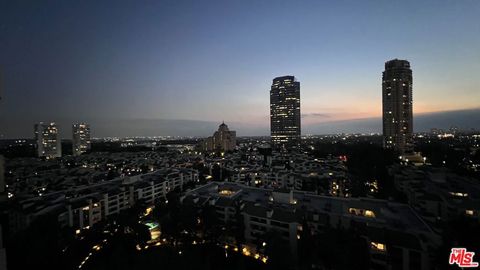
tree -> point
(277, 249)
(37, 246)
(142, 233)
(341, 249)
(210, 222)
(305, 246)
(239, 225)
(461, 231)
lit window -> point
(378, 246)
(361, 212)
(458, 194)
(225, 192)
(369, 213)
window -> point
(378, 246)
(361, 212)
(369, 213)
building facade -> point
(81, 138)
(48, 141)
(222, 140)
(97, 202)
(392, 233)
(397, 105)
(285, 113)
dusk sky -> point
(215, 60)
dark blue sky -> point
(214, 60)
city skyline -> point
(133, 72)
(109, 127)
(239, 134)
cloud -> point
(316, 115)
(463, 119)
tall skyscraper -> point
(285, 113)
(48, 140)
(397, 106)
(81, 138)
(222, 140)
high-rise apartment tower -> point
(48, 140)
(285, 117)
(81, 138)
(397, 106)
